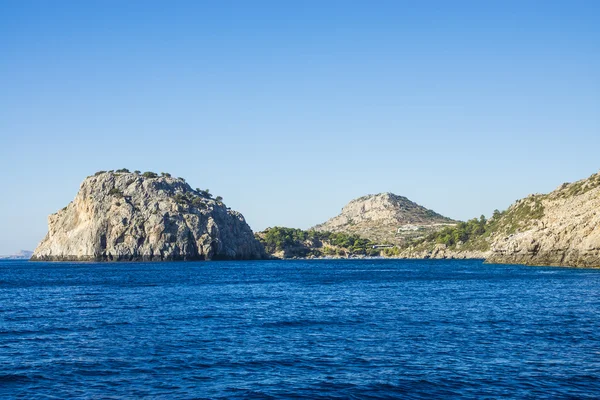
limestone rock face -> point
(385, 217)
(564, 232)
(441, 251)
(126, 216)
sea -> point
(312, 329)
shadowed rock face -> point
(128, 217)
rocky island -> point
(124, 216)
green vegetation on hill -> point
(206, 192)
(115, 192)
(459, 233)
(520, 215)
(199, 198)
(300, 243)
(477, 233)
(191, 199)
(468, 235)
(580, 187)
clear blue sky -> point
(291, 109)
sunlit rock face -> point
(561, 228)
(130, 217)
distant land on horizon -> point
(21, 255)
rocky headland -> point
(124, 216)
(561, 228)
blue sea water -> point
(298, 329)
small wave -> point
(96, 372)
(115, 323)
(19, 378)
(307, 322)
(21, 332)
(375, 270)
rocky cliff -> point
(129, 216)
(385, 217)
(561, 228)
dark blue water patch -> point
(298, 329)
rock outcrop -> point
(561, 228)
(131, 217)
(441, 251)
(385, 217)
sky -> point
(290, 109)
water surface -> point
(303, 329)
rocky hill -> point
(561, 228)
(133, 216)
(385, 217)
